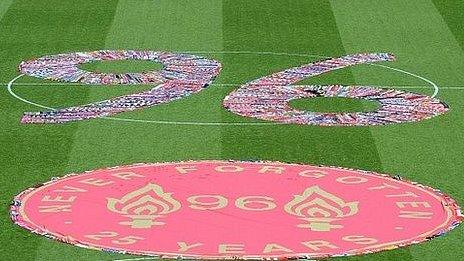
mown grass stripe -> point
(166, 25)
(34, 154)
(154, 25)
(4, 5)
(452, 12)
(415, 32)
(292, 27)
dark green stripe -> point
(452, 12)
(34, 154)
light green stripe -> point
(417, 34)
(413, 30)
(4, 5)
(167, 25)
(154, 25)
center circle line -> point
(10, 90)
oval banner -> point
(232, 209)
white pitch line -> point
(233, 84)
(10, 84)
(435, 87)
(10, 90)
(87, 85)
(253, 52)
(194, 122)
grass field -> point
(426, 36)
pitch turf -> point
(427, 37)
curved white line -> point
(435, 86)
(193, 122)
(222, 84)
(252, 52)
(85, 84)
(10, 84)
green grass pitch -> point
(426, 35)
